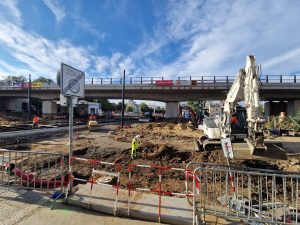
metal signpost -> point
(72, 84)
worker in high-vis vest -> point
(35, 121)
(135, 145)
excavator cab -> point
(239, 128)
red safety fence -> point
(130, 170)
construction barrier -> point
(101, 167)
(33, 170)
(254, 196)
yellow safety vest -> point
(134, 144)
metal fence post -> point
(295, 79)
(92, 81)
(130, 80)
(101, 80)
(190, 78)
(280, 78)
(151, 80)
(141, 80)
(214, 79)
(227, 81)
(111, 80)
(267, 78)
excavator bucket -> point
(256, 148)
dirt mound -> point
(163, 152)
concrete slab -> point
(65, 214)
(143, 205)
(242, 151)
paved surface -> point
(65, 214)
(16, 203)
(30, 135)
(18, 206)
(142, 205)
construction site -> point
(221, 163)
(148, 112)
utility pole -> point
(123, 106)
(29, 98)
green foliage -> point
(43, 80)
(129, 108)
(158, 110)
(119, 106)
(261, 110)
(195, 105)
(106, 105)
(144, 107)
(297, 117)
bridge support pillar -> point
(290, 107)
(172, 110)
(274, 108)
(49, 107)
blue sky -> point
(148, 37)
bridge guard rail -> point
(263, 197)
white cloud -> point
(216, 36)
(10, 11)
(56, 8)
(285, 60)
(213, 38)
(40, 55)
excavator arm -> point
(245, 88)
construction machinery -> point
(238, 123)
(93, 124)
(195, 117)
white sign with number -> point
(227, 148)
(72, 81)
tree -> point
(158, 109)
(297, 117)
(196, 105)
(119, 106)
(163, 111)
(129, 108)
(106, 105)
(44, 80)
(144, 107)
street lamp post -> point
(123, 96)
(29, 98)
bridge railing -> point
(190, 80)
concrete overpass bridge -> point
(273, 88)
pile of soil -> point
(148, 154)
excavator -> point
(195, 117)
(242, 124)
